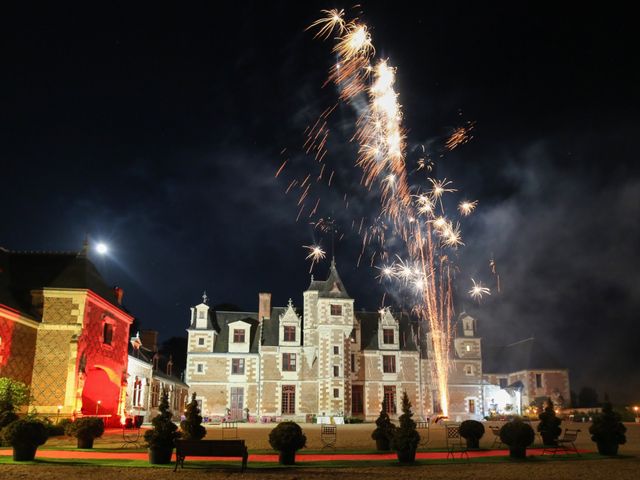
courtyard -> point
(59, 459)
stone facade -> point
(329, 361)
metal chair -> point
(495, 429)
(130, 436)
(328, 436)
(455, 443)
(566, 443)
(231, 429)
(423, 430)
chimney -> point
(150, 339)
(264, 306)
(170, 365)
(119, 294)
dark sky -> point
(158, 129)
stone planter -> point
(287, 457)
(85, 442)
(609, 449)
(24, 453)
(517, 452)
(160, 455)
(406, 456)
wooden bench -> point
(210, 448)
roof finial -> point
(290, 303)
(205, 299)
(333, 262)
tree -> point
(191, 426)
(384, 429)
(549, 426)
(406, 437)
(13, 394)
(164, 432)
(587, 397)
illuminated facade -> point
(331, 360)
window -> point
(387, 336)
(336, 309)
(107, 334)
(472, 405)
(353, 362)
(237, 366)
(288, 399)
(389, 363)
(201, 314)
(503, 383)
(468, 347)
(336, 371)
(237, 403)
(201, 341)
(336, 350)
(238, 335)
(468, 369)
(538, 380)
(289, 334)
(357, 404)
(288, 362)
(137, 393)
(390, 398)
(155, 394)
(200, 367)
(336, 393)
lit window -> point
(472, 406)
(288, 362)
(387, 336)
(107, 334)
(201, 341)
(336, 350)
(389, 363)
(336, 371)
(336, 309)
(289, 334)
(468, 347)
(336, 393)
(238, 335)
(237, 366)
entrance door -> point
(237, 403)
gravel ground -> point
(352, 437)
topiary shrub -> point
(472, 431)
(406, 438)
(191, 427)
(287, 438)
(608, 431)
(383, 432)
(86, 430)
(518, 436)
(549, 426)
(25, 436)
(162, 437)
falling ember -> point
(281, 167)
(478, 290)
(316, 253)
(465, 207)
(460, 136)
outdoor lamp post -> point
(58, 416)
(98, 406)
(635, 409)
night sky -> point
(158, 130)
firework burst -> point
(316, 253)
(478, 290)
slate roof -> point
(21, 272)
(221, 321)
(369, 330)
(332, 287)
(527, 354)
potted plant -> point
(191, 427)
(162, 437)
(518, 435)
(406, 437)
(472, 431)
(608, 431)
(383, 432)
(287, 438)
(86, 430)
(549, 426)
(25, 436)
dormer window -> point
(201, 341)
(238, 335)
(336, 310)
(107, 334)
(388, 336)
(289, 334)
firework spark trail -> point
(420, 223)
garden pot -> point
(473, 443)
(287, 457)
(518, 452)
(382, 444)
(24, 453)
(160, 455)
(406, 456)
(85, 442)
(606, 448)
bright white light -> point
(101, 248)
